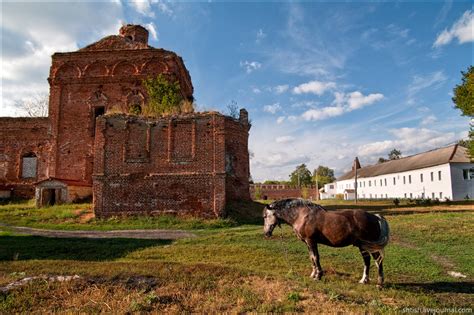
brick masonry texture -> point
(107, 76)
(189, 164)
(275, 192)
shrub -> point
(396, 202)
(165, 97)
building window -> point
(439, 175)
(385, 181)
(331, 186)
(394, 182)
(468, 174)
(370, 196)
(440, 195)
(29, 165)
(386, 196)
(404, 180)
(380, 182)
(370, 184)
(411, 195)
(432, 176)
(422, 195)
(421, 178)
(405, 195)
(375, 196)
(433, 195)
(375, 182)
(409, 179)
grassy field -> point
(230, 266)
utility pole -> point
(355, 185)
(317, 186)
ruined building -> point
(191, 163)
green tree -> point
(392, 155)
(464, 93)
(323, 175)
(165, 97)
(301, 176)
(464, 101)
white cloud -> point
(462, 29)
(314, 87)
(280, 119)
(409, 141)
(284, 139)
(280, 89)
(357, 100)
(45, 28)
(143, 7)
(343, 103)
(272, 108)
(151, 27)
(250, 66)
(323, 113)
(428, 120)
(256, 90)
(260, 36)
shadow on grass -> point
(245, 212)
(39, 247)
(437, 287)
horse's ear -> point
(270, 206)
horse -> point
(315, 225)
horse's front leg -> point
(366, 256)
(317, 272)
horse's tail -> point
(378, 245)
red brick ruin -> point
(185, 164)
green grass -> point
(232, 267)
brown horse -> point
(315, 225)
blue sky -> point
(323, 82)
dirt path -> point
(137, 234)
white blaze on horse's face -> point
(270, 221)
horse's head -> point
(270, 220)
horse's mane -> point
(293, 203)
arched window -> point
(29, 165)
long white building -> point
(442, 173)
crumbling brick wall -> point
(23, 137)
(276, 192)
(168, 165)
(104, 76)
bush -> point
(447, 200)
(396, 202)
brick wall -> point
(276, 192)
(23, 137)
(168, 165)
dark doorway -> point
(98, 111)
(49, 197)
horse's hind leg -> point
(366, 256)
(317, 272)
(378, 257)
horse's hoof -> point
(364, 281)
(379, 286)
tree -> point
(301, 176)
(323, 175)
(392, 155)
(464, 101)
(463, 98)
(233, 109)
(35, 106)
(165, 97)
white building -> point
(442, 173)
